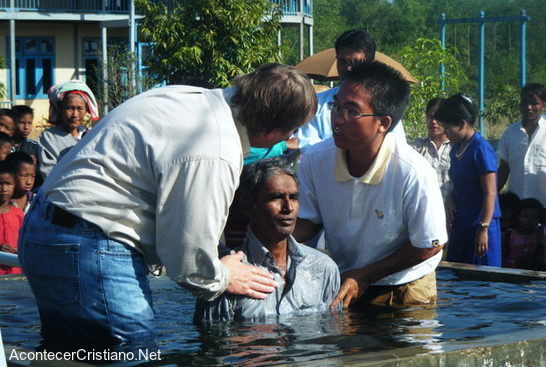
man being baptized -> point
(307, 279)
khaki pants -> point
(420, 291)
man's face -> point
(346, 59)
(351, 132)
(531, 108)
(277, 208)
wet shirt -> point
(310, 285)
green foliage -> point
(2, 85)
(212, 40)
(120, 69)
(503, 107)
(423, 60)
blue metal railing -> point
(292, 7)
(79, 6)
(288, 7)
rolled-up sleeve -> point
(193, 202)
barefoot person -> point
(153, 182)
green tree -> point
(423, 60)
(213, 40)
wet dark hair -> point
(533, 89)
(255, 176)
(508, 200)
(531, 203)
(433, 103)
(19, 158)
(5, 138)
(7, 167)
(357, 40)
(21, 110)
(455, 109)
(389, 91)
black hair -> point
(19, 158)
(531, 203)
(357, 40)
(7, 167)
(5, 138)
(389, 91)
(455, 109)
(533, 89)
(21, 110)
(509, 200)
(7, 112)
(255, 176)
(433, 103)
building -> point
(45, 42)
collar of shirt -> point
(375, 173)
(257, 253)
(241, 130)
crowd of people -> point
(154, 180)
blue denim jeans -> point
(87, 286)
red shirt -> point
(10, 223)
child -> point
(7, 122)
(6, 144)
(509, 204)
(24, 115)
(25, 174)
(524, 244)
(11, 218)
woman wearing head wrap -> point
(69, 103)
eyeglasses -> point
(335, 107)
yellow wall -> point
(65, 65)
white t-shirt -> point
(367, 219)
(526, 159)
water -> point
(467, 311)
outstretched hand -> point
(353, 287)
(247, 280)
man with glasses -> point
(376, 198)
(353, 47)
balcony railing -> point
(288, 7)
(79, 6)
(292, 7)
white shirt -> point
(526, 158)
(320, 128)
(158, 173)
(367, 219)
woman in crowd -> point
(435, 147)
(69, 103)
(475, 236)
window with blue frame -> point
(34, 65)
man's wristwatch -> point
(483, 225)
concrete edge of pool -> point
(520, 348)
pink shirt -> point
(10, 223)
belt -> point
(61, 217)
